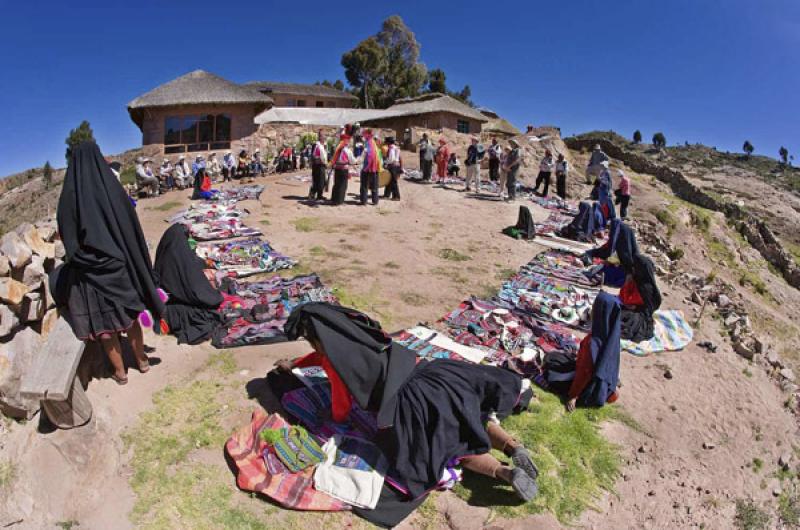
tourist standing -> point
(494, 159)
(513, 161)
(442, 159)
(546, 167)
(503, 173)
(422, 146)
(623, 193)
(341, 161)
(562, 169)
(319, 161)
(370, 168)
(395, 166)
(165, 174)
(473, 164)
(595, 167)
(427, 155)
(228, 166)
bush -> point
(675, 254)
(700, 219)
(637, 136)
(659, 140)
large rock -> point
(31, 236)
(60, 251)
(47, 297)
(47, 230)
(32, 307)
(48, 323)
(5, 266)
(8, 321)
(12, 291)
(15, 249)
(34, 273)
(15, 361)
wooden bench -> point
(51, 379)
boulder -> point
(32, 307)
(60, 252)
(723, 300)
(731, 319)
(47, 230)
(774, 359)
(15, 360)
(12, 291)
(15, 249)
(8, 321)
(34, 273)
(744, 350)
(30, 235)
(787, 374)
(5, 266)
(47, 297)
(48, 323)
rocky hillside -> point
(24, 197)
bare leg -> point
(137, 345)
(112, 348)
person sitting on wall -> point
(182, 173)
(596, 166)
(256, 165)
(165, 175)
(243, 166)
(145, 180)
(213, 167)
(198, 164)
(228, 166)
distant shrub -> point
(659, 140)
(748, 148)
(637, 136)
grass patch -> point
(675, 254)
(68, 525)
(264, 222)
(391, 265)
(576, 463)
(413, 299)
(453, 255)
(789, 508)
(753, 280)
(666, 218)
(222, 361)
(127, 176)
(700, 219)
(369, 303)
(171, 491)
(505, 273)
(306, 224)
(749, 516)
(757, 465)
(167, 206)
(747, 373)
(8, 474)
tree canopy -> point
(637, 136)
(748, 148)
(659, 140)
(784, 154)
(47, 174)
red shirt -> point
(341, 400)
(629, 294)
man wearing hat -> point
(198, 164)
(473, 164)
(182, 172)
(595, 167)
(165, 174)
(213, 167)
(228, 166)
(511, 167)
(145, 180)
(319, 160)
(395, 167)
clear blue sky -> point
(717, 72)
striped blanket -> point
(672, 333)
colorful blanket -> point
(215, 229)
(244, 258)
(241, 193)
(672, 333)
(208, 211)
(291, 490)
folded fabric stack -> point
(255, 313)
(226, 228)
(556, 203)
(554, 222)
(244, 257)
(562, 265)
(241, 193)
(200, 212)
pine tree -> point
(637, 136)
(83, 133)
(748, 148)
(784, 154)
(659, 140)
(47, 175)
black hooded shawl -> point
(371, 366)
(581, 228)
(525, 223)
(637, 324)
(622, 241)
(104, 243)
(605, 351)
(192, 307)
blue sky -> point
(712, 71)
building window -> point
(301, 103)
(196, 133)
(462, 126)
(320, 104)
(291, 102)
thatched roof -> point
(434, 102)
(196, 88)
(299, 89)
(317, 116)
(497, 125)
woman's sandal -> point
(119, 380)
(524, 486)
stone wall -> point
(752, 228)
(27, 309)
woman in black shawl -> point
(582, 226)
(640, 299)
(107, 279)
(429, 413)
(192, 306)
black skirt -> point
(339, 186)
(90, 313)
(440, 415)
(636, 326)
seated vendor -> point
(583, 225)
(590, 379)
(429, 413)
(622, 244)
(202, 185)
(640, 298)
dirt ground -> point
(708, 436)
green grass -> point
(222, 361)
(167, 206)
(68, 525)
(757, 465)
(754, 281)
(391, 265)
(505, 273)
(413, 299)
(370, 303)
(8, 474)
(789, 508)
(264, 222)
(666, 218)
(576, 463)
(128, 176)
(749, 516)
(306, 224)
(453, 255)
(700, 218)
